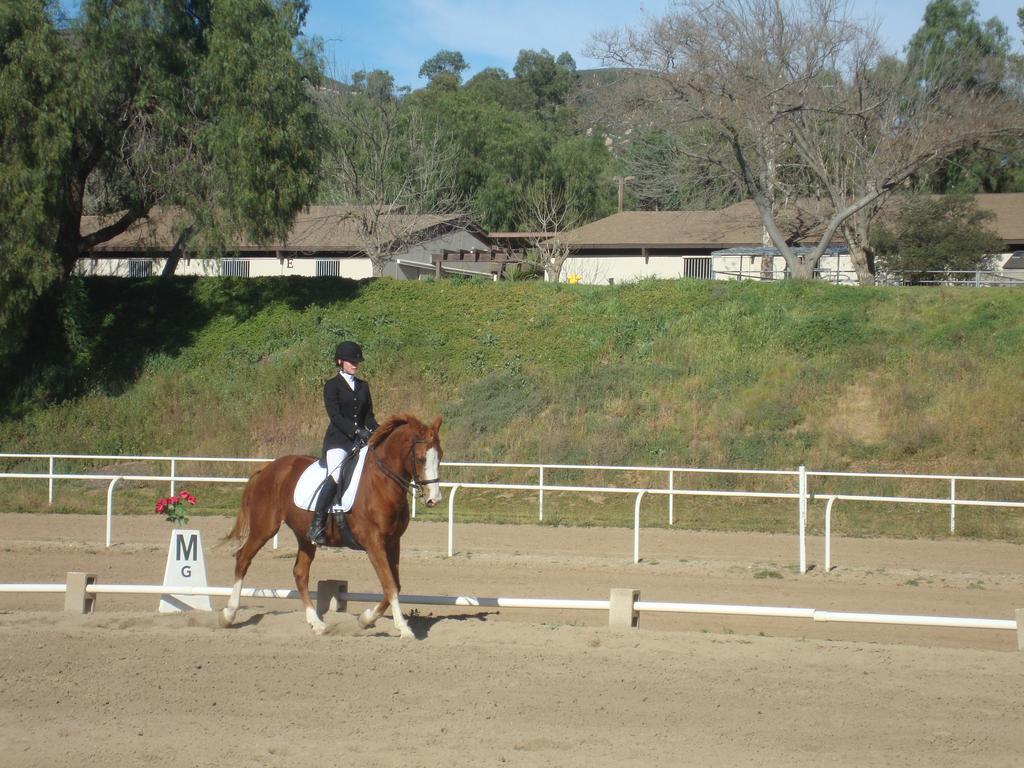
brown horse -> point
(402, 452)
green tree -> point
(378, 84)
(928, 234)
(444, 70)
(548, 80)
(970, 54)
(498, 151)
(33, 140)
(951, 35)
(511, 134)
(201, 104)
(581, 167)
(494, 85)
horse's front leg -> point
(243, 559)
(380, 557)
(303, 561)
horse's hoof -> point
(314, 621)
(407, 634)
(226, 619)
(366, 619)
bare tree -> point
(396, 173)
(551, 212)
(795, 106)
(887, 122)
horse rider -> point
(351, 422)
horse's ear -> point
(436, 426)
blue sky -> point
(399, 35)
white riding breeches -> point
(334, 458)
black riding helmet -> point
(349, 351)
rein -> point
(404, 483)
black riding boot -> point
(323, 506)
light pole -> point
(622, 187)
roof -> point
(1008, 208)
(318, 228)
(740, 225)
(736, 225)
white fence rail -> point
(671, 487)
(623, 606)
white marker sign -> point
(185, 568)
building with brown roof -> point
(726, 244)
(324, 241)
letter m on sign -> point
(186, 550)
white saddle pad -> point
(311, 479)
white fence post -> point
(451, 520)
(952, 505)
(110, 507)
(671, 497)
(828, 534)
(636, 527)
(51, 481)
(173, 467)
(541, 490)
(803, 518)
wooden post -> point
(622, 187)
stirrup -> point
(319, 536)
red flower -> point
(171, 507)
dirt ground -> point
(488, 686)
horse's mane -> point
(391, 424)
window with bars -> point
(328, 268)
(234, 267)
(140, 267)
(697, 267)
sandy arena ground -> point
(127, 686)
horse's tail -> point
(240, 531)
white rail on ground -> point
(639, 606)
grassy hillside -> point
(681, 373)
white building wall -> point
(351, 267)
(354, 268)
(601, 270)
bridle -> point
(405, 484)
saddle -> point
(311, 484)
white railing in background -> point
(971, 278)
(802, 493)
